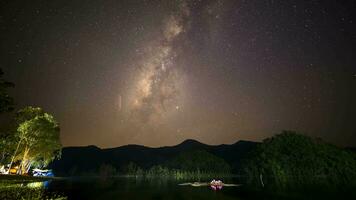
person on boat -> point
(216, 185)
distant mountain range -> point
(76, 160)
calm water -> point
(141, 189)
(132, 189)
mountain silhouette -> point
(79, 160)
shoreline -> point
(22, 178)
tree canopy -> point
(292, 160)
(38, 138)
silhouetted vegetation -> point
(135, 160)
(191, 164)
(132, 169)
(286, 161)
(294, 161)
(107, 170)
(199, 161)
(6, 105)
(6, 102)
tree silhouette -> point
(291, 160)
(6, 102)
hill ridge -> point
(140, 145)
(90, 158)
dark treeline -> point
(188, 158)
(6, 102)
(190, 164)
(286, 161)
(291, 161)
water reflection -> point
(131, 188)
(42, 184)
(138, 189)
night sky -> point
(159, 72)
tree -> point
(22, 116)
(28, 113)
(6, 147)
(199, 163)
(38, 138)
(291, 161)
(6, 102)
(6, 105)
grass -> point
(26, 188)
(21, 178)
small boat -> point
(216, 184)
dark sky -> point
(158, 72)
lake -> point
(133, 189)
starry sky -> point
(159, 72)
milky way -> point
(159, 82)
(158, 72)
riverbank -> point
(21, 178)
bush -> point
(291, 160)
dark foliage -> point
(294, 161)
(135, 159)
(199, 161)
(6, 102)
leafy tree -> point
(291, 160)
(38, 138)
(6, 102)
(21, 116)
(28, 113)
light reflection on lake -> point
(127, 188)
(142, 189)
